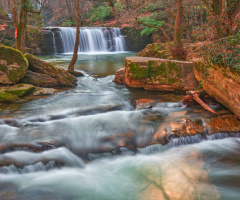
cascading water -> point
(93, 40)
(54, 43)
(91, 143)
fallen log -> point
(195, 95)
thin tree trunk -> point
(21, 27)
(178, 23)
(111, 4)
(69, 11)
(75, 53)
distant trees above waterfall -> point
(160, 20)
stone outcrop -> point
(221, 83)
(159, 74)
(13, 65)
(155, 50)
(56, 76)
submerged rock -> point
(144, 104)
(13, 65)
(41, 67)
(180, 124)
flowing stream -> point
(98, 146)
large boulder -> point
(13, 65)
(40, 80)
(159, 74)
(222, 83)
(41, 67)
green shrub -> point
(152, 20)
(224, 52)
(100, 14)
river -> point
(97, 146)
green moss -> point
(175, 67)
(12, 56)
(34, 61)
(21, 90)
(5, 96)
(138, 71)
(3, 68)
(155, 70)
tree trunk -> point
(69, 8)
(178, 23)
(75, 53)
(21, 27)
(111, 4)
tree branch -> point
(159, 28)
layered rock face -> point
(13, 65)
(222, 83)
(159, 74)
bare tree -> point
(75, 53)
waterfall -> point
(92, 40)
(54, 43)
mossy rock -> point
(38, 79)
(7, 97)
(13, 65)
(39, 66)
(155, 50)
(21, 90)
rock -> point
(7, 97)
(221, 83)
(44, 91)
(155, 50)
(75, 73)
(13, 65)
(181, 124)
(37, 79)
(47, 46)
(159, 74)
(65, 78)
(62, 76)
(144, 104)
(120, 76)
(21, 90)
